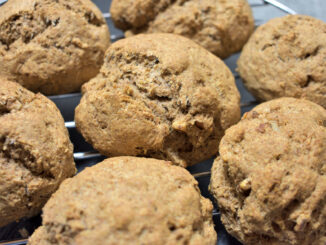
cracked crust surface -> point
(35, 152)
(269, 180)
(221, 26)
(128, 200)
(159, 95)
(286, 57)
(49, 46)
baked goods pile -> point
(156, 102)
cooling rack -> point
(85, 155)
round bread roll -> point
(35, 152)
(286, 57)
(270, 178)
(128, 200)
(159, 95)
(51, 47)
(220, 26)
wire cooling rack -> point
(86, 156)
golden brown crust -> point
(51, 47)
(128, 200)
(221, 26)
(35, 152)
(159, 95)
(269, 180)
(286, 57)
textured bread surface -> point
(128, 200)
(49, 46)
(35, 152)
(269, 180)
(159, 95)
(221, 26)
(286, 57)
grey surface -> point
(314, 8)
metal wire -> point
(70, 124)
(202, 174)
(106, 15)
(86, 155)
(18, 242)
(280, 6)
